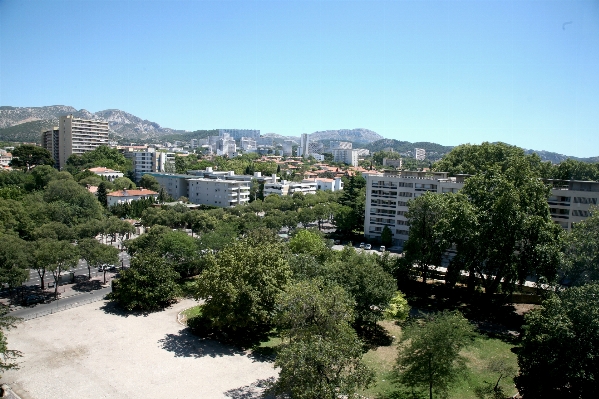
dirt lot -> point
(95, 351)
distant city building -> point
(288, 148)
(396, 163)
(149, 161)
(329, 184)
(285, 187)
(340, 145)
(248, 144)
(318, 157)
(419, 154)
(304, 149)
(237, 134)
(5, 157)
(264, 141)
(106, 173)
(315, 146)
(74, 136)
(362, 152)
(349, 157)
(126, 196)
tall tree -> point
(582, 251)
(102, 194)
(27, 156)
(96, 254)
(14, 260)
(321, 356)
(7, 356)
(240, 285)
(429, 356)
(560, 347)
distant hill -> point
(353, 135)
(26, 123)
(187, 136)
(554, 157)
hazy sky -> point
(522, 72)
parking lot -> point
(96, 351)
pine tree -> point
(102, 197)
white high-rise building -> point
(349, 157)
(304, 149)
(74, 136)
(340, 145)
(237, 134)
(419, 154)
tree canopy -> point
(27, 156)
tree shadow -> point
(257, 389)
(186, 344)
(84, 284)
(113, 308)
(373, 336)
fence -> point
(57, 309)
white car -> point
(367, 246)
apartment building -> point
(348, 157)
(74, 136)
(340, 145)
(304, 147)
(285, 187)
(148, 161)
(106, 173)
(571, 201)
(419, 154)
(387, 195)
(125, 196)
(237, 134)
(218, 192)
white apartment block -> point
(395, 163)
(74, 136)
(304, 146)
(237, 134)
(340, 145)
(387, 196)
(288, 148)
(248, 144)
(149, 161)
(329, 184)
(218, 192)
(419, 154)
(348, 157)
(284, 187)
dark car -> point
(33, 299)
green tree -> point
(387, 237)
(102, 195)
(560, 346)
(427, 242)
(307, 242)
(149, 284)
(240, 284)
(56, 257)
(582, 251)
(398, 308)
(96, 254)
(101, 156)
(321, 356)
(429, 356)
(149, 182)
(123, 183)
(14, 260)
(7, 356)
(27, 156)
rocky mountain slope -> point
(26, 123)
(353, 135)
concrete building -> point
(419, 154)
(149, 161)
(348, 157)
(285, 187)
(124, 196)
(315, 147)
(74, 136)
(218, 192)
(248, 144)
(304, 146)
(387, 195)
(237, 134)
(395, 163)
(173, 184)
(106, 173)
(265, 141)
(340, 145)
(288, 148)
(329, 184)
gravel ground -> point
(95, 351)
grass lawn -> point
(191, 312)
(382, 360)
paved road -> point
(61, 304)
(80, 269)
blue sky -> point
(451, 72)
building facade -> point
(419, 154)
(106, 173)
(387, 196)
(304, 147)
(348, 157)
(237, 134)
(74, 136)
(149, 161)
(218, 192)
(125, 196)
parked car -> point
(367, 246)
(337, 242)
(33, 299)
(362, 245)
(383, 248)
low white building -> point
(218, 192)
(124, 196)
(324, 184)
(285, 187)
(106, 173)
